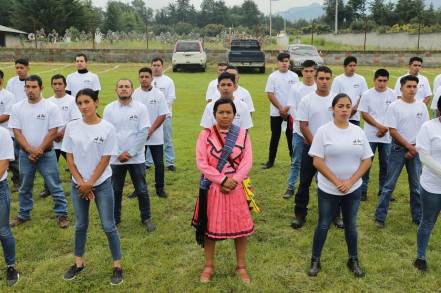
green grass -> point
(169, 260)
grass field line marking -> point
(110, 69)
(58, 68)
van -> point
(189, 54)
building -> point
(10, 37)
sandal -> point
(206, 274)
(242, 272)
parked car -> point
(189, 54)
(299, 53)
(246, 54)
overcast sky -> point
(278, 5)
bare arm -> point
(99, 170)
(73, 168)
(304, 128)
(410, 147)
(19, 137)
(49, 139)
(4, 118)
(4, 164)
(158, 121)
(321, 166)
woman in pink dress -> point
(227, 212)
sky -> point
(277, 5)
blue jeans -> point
(297, 149)
(328, 205)
(6, 237)
(168, 145)
(383, 157)
(137, 174)
(413, 167)
(431, 205)
(104, 203)
(48, 167)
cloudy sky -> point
(279, 5)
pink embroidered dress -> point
(228, 213)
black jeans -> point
(137, 174)
(276, 130)
(13, 165)
(158, 160)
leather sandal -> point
(206, 274)
(243, 275)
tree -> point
(250, 14)
(5, 12)
(406, 10)
(381, 13)
(213, 12)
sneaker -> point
(149, 226)
(267, 165)
(12, 276)
(379, 224)
(72, 272)
(15, 187)
(133, 195)
(338, 222)
(44, 194)
(117, 276)
(288, 193)
(298, 222)
(63, 221)
(421, 265)
(17, 221)
(147, 167)
(161, 193)
(171, 168)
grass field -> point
(168, 260)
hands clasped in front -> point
(229, 185)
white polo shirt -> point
(342, 150)
(315, 110)
(69, 111)
(242, 94)
(242, 118)
(376, 104)
(35, 120)
(77, 81)
(437, 82)
(17, 88)
(6, 149)
(429, 139)
(156, 105)
(7, 100)
(280, 83)
(166, 85)
(212, 91)
(434, 104)
(354, 86)
(88, 143)
(298, 91)
(423, 87)
(406, 118)
(128, 120)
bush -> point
(212, 30)
(183, 28)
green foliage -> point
(212, 30)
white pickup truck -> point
(189, 54)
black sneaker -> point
(44, 194)
(72, 272)
(421, 265)
(171, 168)
(267, 165)
(117, 276)
(161, 193)
(133, 195)
(379, 224)
(288, 193)
(149, 226)
(12, 276)
(147, 167)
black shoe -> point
(338, 222)
(44, 194)
(267, 165)
(171, 168)
(363, 197)
(315, 267)
(117, 276)
(354, 267)
(289, 193)
(379, 224)
(392, 198)
(298, 222)
(72, 272)
(421, 265)
(12, 276)
(147, 167)
(149, 226)
(161, 193)
(15, 187)
(133, 195)
(416, 222)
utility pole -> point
(336, 16)
(271, 16)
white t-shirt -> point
(342, 150)
(423, 87)
(376, 104)
(298, 91)
(354, 86)
(78, 81)
(156, 105)
(128, 120)
(437, 82)
(316, 110)
(88, 144)
(429, 139)
(69, 111)
(406, 118)
(434, 105)
(242, 118)
(6, 149)
(166, 85)
(7, 100)
(35, 120)
(242, 94)
(212, 91)
(17, 88)
(280, 83)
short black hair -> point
(222, 64)
(282, 56)
(1, 74)
(348, 60)
(415, 58)
(158, 59)
(324, 69)
(35, 78)
(232, 67)
(145, 69)
(438, 105)
(223, 101)
(338, 98)
(58, 76)
(309, 63)
(407, 78)
(381, 72)
(22, 61)
(81, 55)
(227, 75)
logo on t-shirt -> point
(41, 116)
(356, 86)
(419, 115)
(388, 102)
(98, 140)
(237, 117)
(291, 81)
(357, 141)
(65, 108)
(133, 117)
(152, 102)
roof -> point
(10, 30)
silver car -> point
(299, 53)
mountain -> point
(303, 12)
